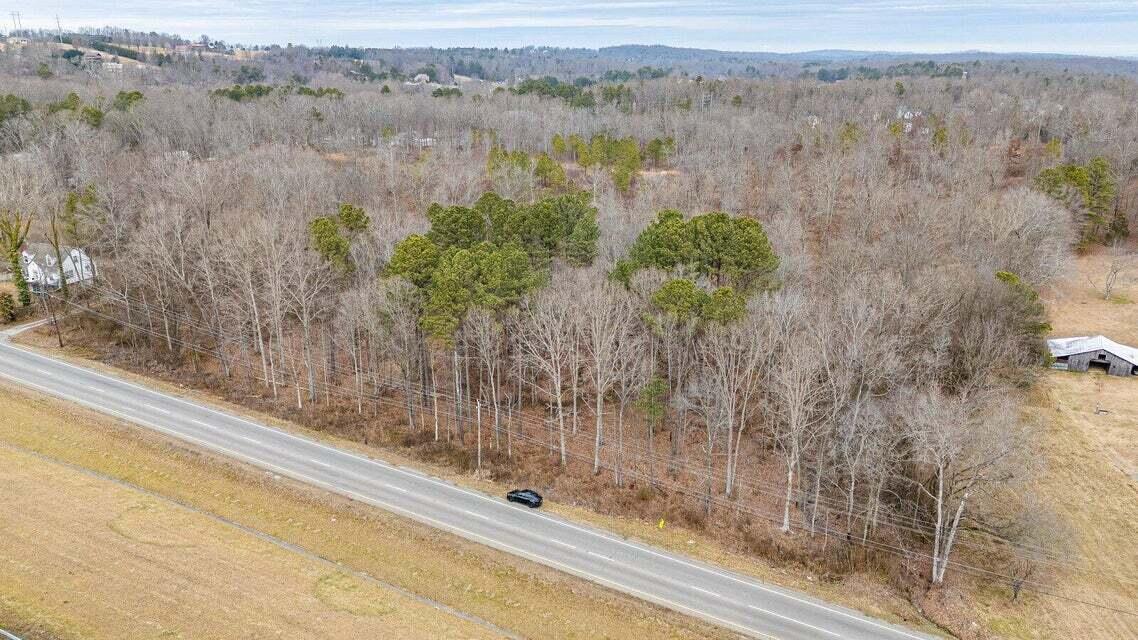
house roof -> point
(40, 252)
(1070, 346)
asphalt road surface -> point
(736, 602)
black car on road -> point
(528, 497)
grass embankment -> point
(114, 532)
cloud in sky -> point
(1098, 27)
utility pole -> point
(58, 28)
(478, 409)
(51, 311)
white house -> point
(42, 269)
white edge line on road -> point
(779, 615)
(778, 592)
(407, 513)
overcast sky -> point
(1061, 26)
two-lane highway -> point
(674, 581)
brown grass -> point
(84, 556)
(1086, 481)
(1091, 456)
(158, 549)
(1077, 309)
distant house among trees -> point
(1083, 353)
(42, 268)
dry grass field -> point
(1092, 486)
(84, 556)
(1076, 308)
(1091, 446)
(120, 534)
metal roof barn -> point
(1083, 353)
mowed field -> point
(110, 532)
(1091, 445)
(86, 557)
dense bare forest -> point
(801, 315)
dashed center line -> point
(594, 553)
(564, 544)
(158, 409)
(247, 438)
(320, 462)
(391, 486)
(204, 424)
(708, 592)
(476, 515)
